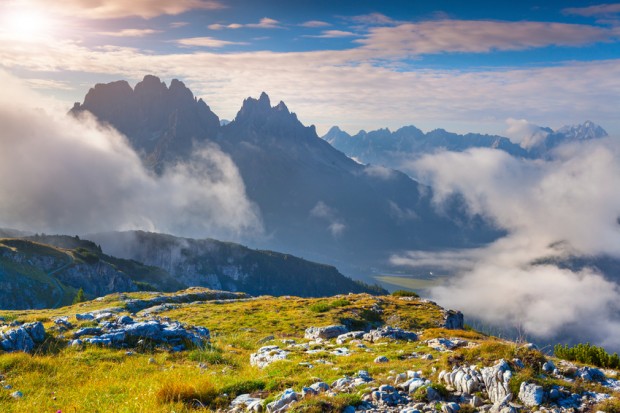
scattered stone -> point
(284, 402)
(265, 339)
(320, 387)
(496, 381)
(548, 367)
(267, 355)
(381, 359)
(327, 332)
(390, 332)
(244, 401)
(17, 395)
(590, 374)
(531, 394)
(444, 344)
(352, 335)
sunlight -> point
(27, 25)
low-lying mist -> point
(566, 206)
(59, 174)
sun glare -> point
(27, 25)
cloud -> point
(63, 175)
(524, 133)
(551, 209)
(176, 25)
(315, 23)
(471, 36)
(206, 42)
(378, 171)
(130, 33)
(356, 88)
(114, 9)
(331, 34)
(599, 10)
(48, 84)
(264, 23)
(373, 19)
(335, 225)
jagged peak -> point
(281, 107)
(264, 99)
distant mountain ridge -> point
(314, 201)
(43, 271)
(391, 149)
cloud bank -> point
(62, 175)
(551, 209)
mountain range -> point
(392, 149)
(314, 200)
(43, 271)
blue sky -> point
(462, 66)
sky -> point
(358, 64)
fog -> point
(59, 174)
(566, 206)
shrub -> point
(588, 354)
(611, 405)
(320, 307)
(243, 387)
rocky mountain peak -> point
(586, 130)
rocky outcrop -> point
(125, 332)
(496, 380)
(453, 320)
(186, 296)
(23, 338)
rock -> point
(83, 317)
(518, 363)
(590, 374)
(284, 402)
(476, 401)
(450, 408)
(320, 387)
(244, 400)
(415, 384)
(327, 332)
(465, 380)
(348, 409)
(23, 338)
(548, 367)
(444, 344)
(125, 319)
(432, 394)
(496, 381)
(256, 407)
(531, 394)
(400, 378)
(453, 320)
(352, 335)
(381, 359)
(267, 355)
(76, 343)
(554, 394)
(17, 395)
(389, 332)
(265, 339)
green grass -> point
(98, 379)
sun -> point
(26, 25)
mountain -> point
(225, 265)
(163, 122)
(315, 202)
(383, 147)
(393, 149)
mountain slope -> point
(315, 201)
(224, 265)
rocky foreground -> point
(346, 353)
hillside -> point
(44, 271)
(200, 349)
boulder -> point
(531, 394)
(23, 338)
(453, 320)
(327, 332)
(284, 402)
(496, 381)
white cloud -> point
(568, 205)
(206, 42)
(176, 25)
(264, 23)
(373, 19)
(315, 23)
(335, 225)
(114, 9)
(599, 10)
(48, 84)
(62, 175)
(473, 36)
(524, 133)
(331, 34)
(130, 33)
